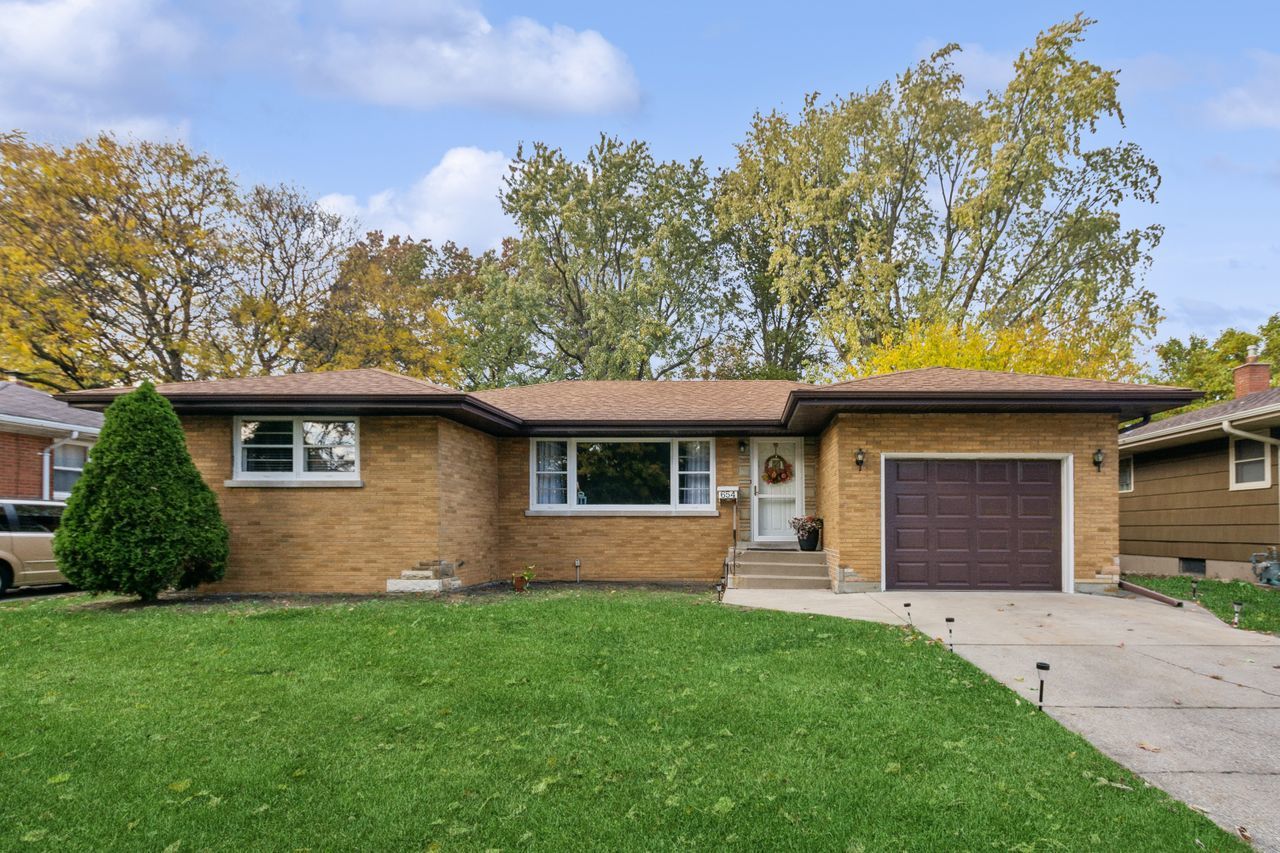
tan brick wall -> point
(852, 506)
(329, 539)
(653, 548)
(468, 461)
(828, 495)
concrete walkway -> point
(1185, 701)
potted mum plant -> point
(520, 580)
(807, 528)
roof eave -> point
(1198, 430)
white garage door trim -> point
(1068, 504)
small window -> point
(1191, 565)
(694, 472)
(1250, 464)
(297, 449)
(37, 518)
(68, 464)
(1126, 474)
(552, 472)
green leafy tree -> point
(911, 202)
(1207, 366)
(616, 265)
(140, 519)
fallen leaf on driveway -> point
(1148, 747)
(1244, 833)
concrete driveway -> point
(1185, 701)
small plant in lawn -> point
(140, 519)
(520, 580)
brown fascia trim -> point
(655, 429)
(1138, 403)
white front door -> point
(777, 488)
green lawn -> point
(1261, 606)
(557, 720)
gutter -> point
(1206, 425)
(41, 423)
(1265, 439)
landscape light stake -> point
(907, 605)
(1237, 606)
(951, 637)
(720, 591)
(1043, 668)
(1195, 589)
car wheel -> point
(6, 577)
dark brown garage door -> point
(973, 524)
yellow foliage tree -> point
(1024, 348)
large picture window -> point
(282, 448)
(639, 474)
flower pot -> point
(809, 542)
(519, 582)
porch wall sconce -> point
(742, 446)
(860, 458)
(1097, 459)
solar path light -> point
(907, 605)
(1238, 606)
(1043, 669)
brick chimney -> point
(1252, 376)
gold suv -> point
(26, 542)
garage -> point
(973, 524)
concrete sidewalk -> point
(1182, 699)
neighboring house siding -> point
(611, 548)
(22, 465)
(856, 532)
(333, 539)
(1181, 506)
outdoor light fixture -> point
(742, 446)
(951, 637)
(720, 591)
(1043, 669)
(1237, 606)
(907, 605)
(1097, 459)
(1195, 588)
(860, 457)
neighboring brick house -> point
(1200, 491)
(43, 443)
(935, 478)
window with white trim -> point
(580, 474)
(1126, 474)
(68, 464)
(1250, 464)
(287, 448)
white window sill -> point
(293, 484)
(659, 512)
(1244, 487)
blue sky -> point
(404, 113)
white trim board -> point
(1067, 475)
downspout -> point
(1265, 439)
(46, 467)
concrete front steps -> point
(776, 569)
(429, 576)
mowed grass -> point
(1261, 610)
(552, 721)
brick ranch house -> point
(44, 443)
(933, 478)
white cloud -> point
(457, 200)
(79, 66)
(981, 69)
(423, 55)
(1256, 103)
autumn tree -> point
(114, 261)
(911, 203)
(388, 307)
(616, 269)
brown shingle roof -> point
(963, 381)
(1210, 415)
(640, 401)
(361, 381)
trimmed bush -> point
(140, 519)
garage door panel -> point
(973, 524)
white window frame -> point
(572, 507)
(53, 466)
(1265, 482)
(1127, 461)
(299, 472)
